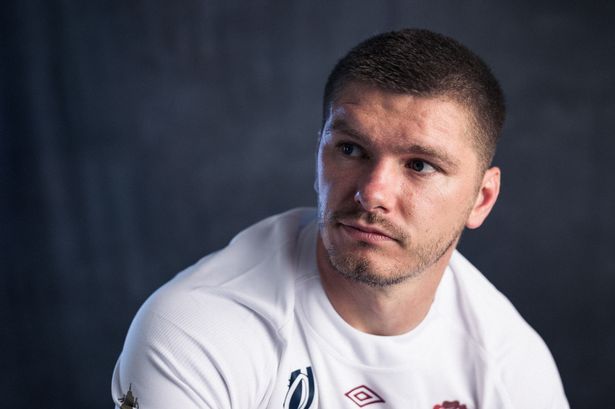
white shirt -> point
(250, 326)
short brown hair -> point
(426, 64)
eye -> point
(350, 149)
(420, 166)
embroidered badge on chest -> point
(301, 390)
(450, 405)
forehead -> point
(399, 119)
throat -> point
(392, 310)
(375, 312)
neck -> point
(391, 310)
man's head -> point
(401, 166)
(427, 64)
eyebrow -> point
(340, 125)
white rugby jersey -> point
(250, 327)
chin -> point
(365, 271)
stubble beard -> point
(362, 270)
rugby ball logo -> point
(301, 390)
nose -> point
(377, 190)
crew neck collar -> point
(345, 341)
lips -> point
(365, 233)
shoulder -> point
(213, 335)
(257, 271)
(183, 351)
(515, 354)
(475, 300)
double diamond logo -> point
(363, 396)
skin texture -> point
(398, 179)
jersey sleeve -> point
(530, 377)
(183, 352)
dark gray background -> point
(137, 136)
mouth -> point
(365, 233)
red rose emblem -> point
(450, 405)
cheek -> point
(332, 182)
(325, 185)
(425, 194)
(457, 204)
(435, 203)
(322, 179)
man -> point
(366, 302)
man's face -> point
(398, 178)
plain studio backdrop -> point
(136, 137)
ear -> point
(485, 199)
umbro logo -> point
(363, 396)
